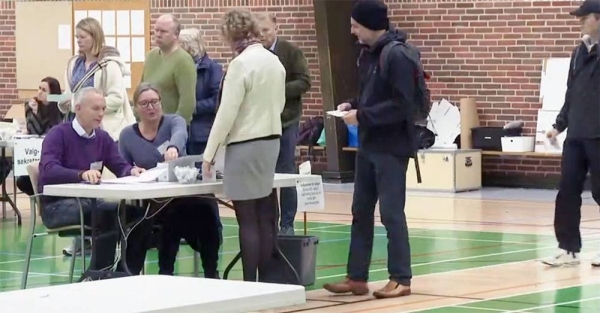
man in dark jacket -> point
(383, 112)
(297, 83)
(581, 151)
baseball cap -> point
(587, 7)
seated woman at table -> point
(248, 123)
(162, 137)
(40, 116)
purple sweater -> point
(65, 155)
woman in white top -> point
(100, 66)
(248, 124)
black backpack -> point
(422, 94)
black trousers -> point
(197, 221)
(579, 157)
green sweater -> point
(297, 80)
(175, 75)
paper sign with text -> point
(26, 150)
(311, 196)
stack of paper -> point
(148, 176)
(444, 120)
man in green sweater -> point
(297, 84)
(171, 69)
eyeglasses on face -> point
(146, 104)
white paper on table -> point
(137, 22)
(138, 49)
(96, 14)
(109, 23)
(124, 47)
(337, 113)
(111, 41)
(305, 168)
(311, 196)
(123, 23)
(64, 37)
(78, 16)
(148, 176)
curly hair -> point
(239, 24)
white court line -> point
(33, 259)
(34, 273)
(460, 259)
(476, 308)
(556, 304)
(443, 238)
(510, 296)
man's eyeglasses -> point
(153, 103)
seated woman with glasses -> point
(158, 138)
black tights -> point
(257, 220)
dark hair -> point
(49, 112)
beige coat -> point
(119, 113)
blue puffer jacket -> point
(207, 89)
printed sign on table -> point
(26, 150)
(311, 196)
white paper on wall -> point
(96, 14)
(111, 41)
(137, 22)
(544, 123)
(554, 83)
(78, 16)
(138, 49)
(124, 47)
(109, 23)
(123, 23)
(127, 78)
(64, 37)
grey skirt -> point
(249, 169)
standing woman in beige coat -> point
(248, 124)
(99, 66)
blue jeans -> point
(383, 177)
(286, 164)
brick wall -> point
(8, 61)
(491, 50)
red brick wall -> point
(491, 50)
(8, 60)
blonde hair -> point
(239, 24)
(93, 27)
(190, 40)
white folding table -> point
(154, 293)
(157, 190)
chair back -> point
(33, 170)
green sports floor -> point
(433, 251)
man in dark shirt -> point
(78, 151)
(581, 151)
(383, 112)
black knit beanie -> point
(371, 14)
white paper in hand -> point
(305, 168)
(337, 113)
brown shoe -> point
(392, 290)
(358, 288)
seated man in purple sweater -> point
(75, 152)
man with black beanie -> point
(580, 114)
(383, 112)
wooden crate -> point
(446, 170)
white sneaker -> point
(563, 257)
(596, 260)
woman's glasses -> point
(146, 104)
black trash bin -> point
(301, 253)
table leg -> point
(122, 222)
(5, 197)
